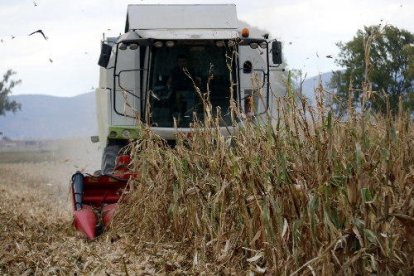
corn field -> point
(311, 193)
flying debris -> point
(1, 40)
(51, 60)
(40, 32)
(290, 43)
(34, 4)
(317, 55)
(329, 56)
(12, 37)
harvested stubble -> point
(36, 235)
(310, 194)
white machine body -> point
(137, 70)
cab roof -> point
(183, 21)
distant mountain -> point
(310, 84)
(49, 117)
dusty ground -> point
(36, 235)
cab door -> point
(126, 98)
(253, 71)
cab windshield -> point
(176, 70)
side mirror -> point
(105, 55)
(277, 52)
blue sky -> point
(308, 29)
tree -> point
(377, 58)
(6, 87)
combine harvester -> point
(142, 78)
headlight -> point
(220, 43)
(231, 43)
(158, 44)
(263, 45)
(169, 44)
(126, 134)
(122, 46)
(133, 46)
(254, 45)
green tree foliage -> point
(377, 58)
(6, 86)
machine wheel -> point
(108, 158)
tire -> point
(108, 158)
